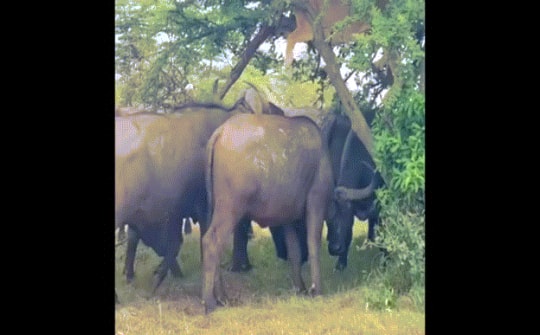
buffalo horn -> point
(343, 193)
(345, 152)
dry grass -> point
(261, 301)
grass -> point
(261, 301)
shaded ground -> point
(261, 301)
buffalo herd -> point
(287, 169)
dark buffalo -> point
(356, 179)
(159, 178)
(160, 164)
(276, 171)
(353, 170)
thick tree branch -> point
(252, 47)
(283, 26)
(358, 122)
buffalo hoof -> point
(240, 267)
(313, 291)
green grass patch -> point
(261, 301)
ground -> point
(260, 301)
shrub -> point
(399, 132)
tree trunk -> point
(358, 122)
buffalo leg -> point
(176, 271)
(212, 246)
(278, 237)
(295, 257)
(301, 233)
(173, 239)
(131, 250)
(202, 218)
(279, 240)
(240, 261)
(342, 261)
(159, 275)
(314, 223)
(176, 239)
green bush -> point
(400, 146)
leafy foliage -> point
(400, 143)
(162, 46)
(391, 58)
